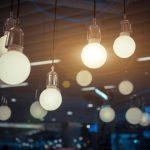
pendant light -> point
(14, 65)
(50, 98)
(133, 115)
(9, 23)
(124, 46)
(36, 110)
(125, 87)
(94, 55)
(5, 111)
(107, 114)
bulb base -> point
(94, 33)
(15, 39)
(52, 79)
(126, 28)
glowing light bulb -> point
(3, 49)
(84, 78)
(51, 99)
(133, 115)
(94, 55)
(107, 114)
(145, 120)
(124, 46)
(5, 113)
(37, 110)
(15, 67)
(125, 87)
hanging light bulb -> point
(107, 114)
(50, 98)
(37, 111)
(125, 87)
(9, 23)
(145, 120)
(14, 65)
(94, 55)
(5, 111)
(133, 115)
(124, 46)
(84, 78)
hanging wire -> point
(124, 9)
(11, 5)
(54, 30)
(94, 10)
(36, 94)
(18, 11)
(3, 101)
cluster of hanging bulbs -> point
(93, 55)
(14, 65)
(133, 115)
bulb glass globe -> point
(107, 114)
(126, 87)
(3, 49)
(124, 46)
(5, 113)
(84, 78)
(37, 110)
(50, 99)
(133, 115)
(145, 119)
(94, 55)
(15, 67)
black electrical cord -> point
(18, 11)
(94, 13)
(54, 30)
(11, 5)
(124, 9)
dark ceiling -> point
(73, 19)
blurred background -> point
(79, 122)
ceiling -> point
(73, 19)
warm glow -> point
(15, 67)
(84, 78)
(133, 115)
(124, 46)
(145, 120)
(94, 55)
(126, 87)
(50, 99)
(2, 45)
(5, 113)
(66, 84)
(37, 111)
(107, 114)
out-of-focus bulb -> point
(125, 87)
(84, 78)
(94, 55)
(3, 49)
(15, 67)
(145, 120)
(5, 113)
(107, 114)
(124, 46)
(51, 99)
(133, 115)
(37, 110)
